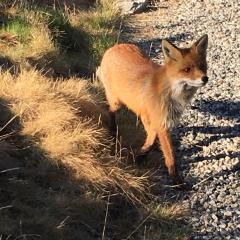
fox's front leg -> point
(168, 152)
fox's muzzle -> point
(205, 80)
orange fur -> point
(158, 94)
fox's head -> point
(188, 66)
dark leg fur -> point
(113, 126)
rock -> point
(214, 217)
(228, 214)
(132, 6)
(235, 205)
(223, 225)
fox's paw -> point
(180, 184)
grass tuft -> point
(17, 27)
(64, 35)
(61, 41)
(99, 45)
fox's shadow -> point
(222, 109)
(228, 110)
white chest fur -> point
(180, 96)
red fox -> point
(158, 94)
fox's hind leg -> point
(114, 105)
(151, 135)
(113, 102)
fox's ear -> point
(201, 44)
(170, 51)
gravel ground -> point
(209, 132)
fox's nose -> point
(205, 79)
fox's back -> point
(126, 71)
(127, 59)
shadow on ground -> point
(152, 47)
(39, 200)
(6, 64)
(132, 137)
(227, 110)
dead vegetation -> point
(62, 41)
(57, 175)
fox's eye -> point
(187, 69)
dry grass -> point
(58, 141)
(63, 120)
(63, 42)
(165, 224)
(55, 3)
(56, 171)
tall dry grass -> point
(68, 124)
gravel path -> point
(209, 132)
